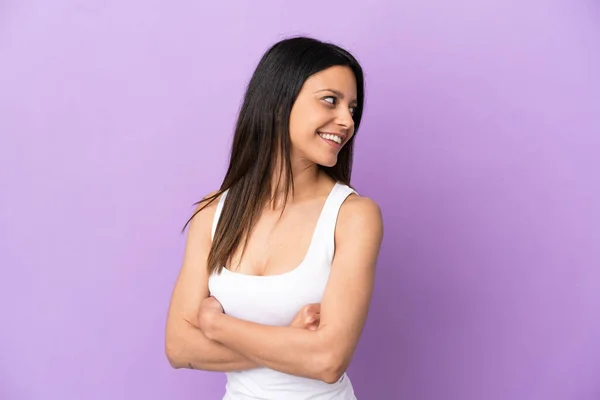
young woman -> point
(279, 263)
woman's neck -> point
(306, 179)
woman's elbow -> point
(331, 377)
(332, 367)
(172, 352)
(174, 349)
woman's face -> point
(321, 120)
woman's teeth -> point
(333, 138)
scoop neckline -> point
(308, 252)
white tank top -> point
(275, 300)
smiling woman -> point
(312, 112)
(279, 263)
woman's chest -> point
(271, 300)
(278, 243)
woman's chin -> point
(328, 162)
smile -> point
(331, 137)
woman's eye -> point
(330, 99)
(333, 100)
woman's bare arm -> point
(323, 354)
(185, 345)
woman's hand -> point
(308, 317)
(209, 308)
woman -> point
(279, 263)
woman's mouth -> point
(332, 139)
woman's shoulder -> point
(360, 212)
(359, 228)
(205, 210)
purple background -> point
(480, 142)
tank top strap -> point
(325, 230)
(218, 214)
(328, 221)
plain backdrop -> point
(480, 143)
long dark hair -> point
(262, 133)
